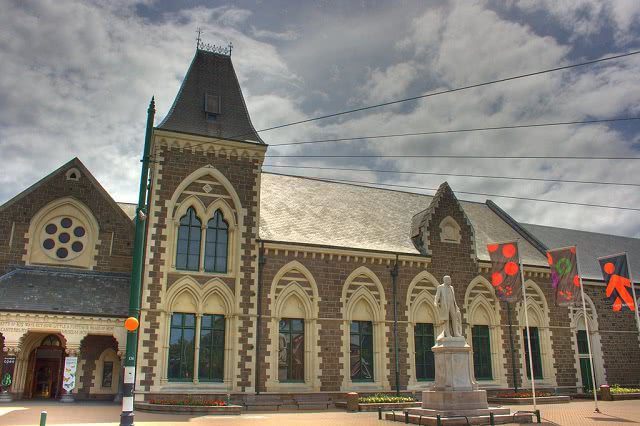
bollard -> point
(379, 413)
(538, 416)
(406, 417)
(352, 402)
(43, 418)
(438, 420)
(492, 420)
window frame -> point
(221, 226)
(371, 359)
(424, 335)
(182, 328)
(218, 334)
(535, 347)
(104, 370)
(190, 214)
(291, 333)
(482, 350)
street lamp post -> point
(127, 415)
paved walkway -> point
(22, 413)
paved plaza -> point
(93, 413)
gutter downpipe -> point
(394, 281)
(261, 261)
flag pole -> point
(526, 321)
(586, 326)
(633, 292)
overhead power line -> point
(475, 157)
(453, 174)
(473, 129)
(543, 200)
(442, 92)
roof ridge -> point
(580, 230)
(364, 185)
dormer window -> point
(212, 104)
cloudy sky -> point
(76, 79)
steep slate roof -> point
(313, 211)
(56, 290)
(591, 245)
(211, 73)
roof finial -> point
(198, 40)
(230, 47)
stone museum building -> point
(265, 283)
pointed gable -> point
(210, 101)
(445, 209)
(66, 219)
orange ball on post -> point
(131, 324)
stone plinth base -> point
(5, 397)
(468, 412)
(421, 419)
(67, 397)
(454, 401)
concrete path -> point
(92, 413)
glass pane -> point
(221, 264)
(192, 262)
(366, 327)
(297, 357)
(284, 325)
(284, 342)
(355, 327)
(583, 346)
(107, 374)
(218, 322)
(222, 237)
(182, 246)
(297, 325)
(189, 320)
(176, 320)
(206, 322)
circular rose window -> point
(63, 238)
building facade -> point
(256, 282)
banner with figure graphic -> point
(564, 275)
(505, 271)
(615, 270)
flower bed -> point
(208, 406)
(526, 397)
(193, 402)
(382, 399)
(386, 402)
(615, 389)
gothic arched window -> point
(215, 252)
(189, 234)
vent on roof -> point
(211, 104)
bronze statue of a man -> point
(448, 311)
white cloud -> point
(77, 77)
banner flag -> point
(69, 375)
(505, 271)
(564, 275)
(615, 270)
(8, 367)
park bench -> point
(312, 401)
(262, 402)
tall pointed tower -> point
(197, 329)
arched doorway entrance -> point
(44, 369)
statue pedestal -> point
(455, 388)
